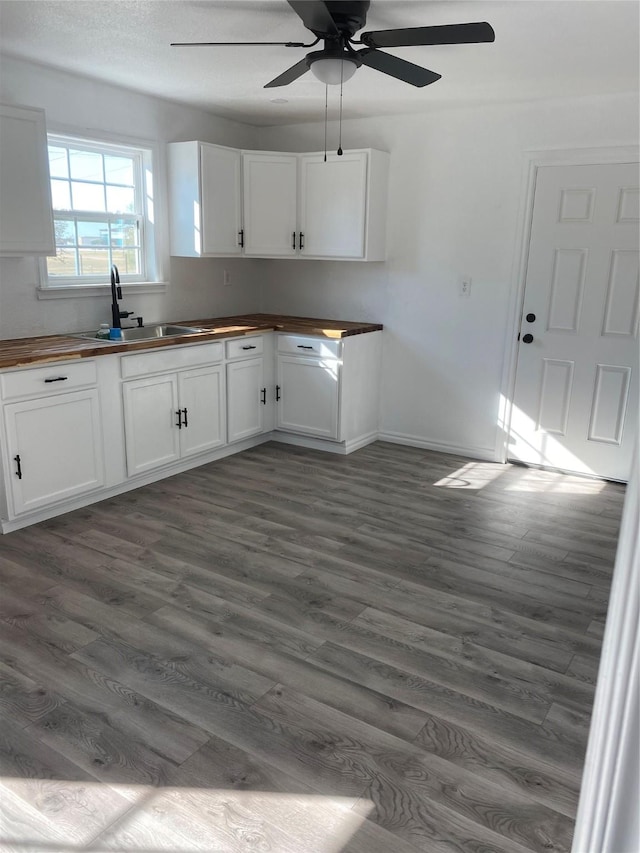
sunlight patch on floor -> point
(62, 817)
(473, 475)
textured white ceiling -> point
(543, 48)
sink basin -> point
(144, 333)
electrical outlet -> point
(226, 278)
(464, 287)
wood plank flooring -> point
(295, 652)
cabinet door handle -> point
(249, 347)
(301, 241)
(16, 459)
(303, 346)
(263, 396)
(186, 422)
(56, 379)
(277, 393)
(241, 238)
(179, 414)
(293, 243)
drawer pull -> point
(179, 414)
(19, 467)
(56, 379)
(251, 346)
(241, 238)
(293, 243)
(186, 422)
(301, 241)
(303, 346)
(277, 393)
(263, 396)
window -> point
(102, 209)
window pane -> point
(93, 233)
(124, 233)
(127, 260)
(64, 263)
(118, 170)
(60, 195)
(65, 232)
(93, 261)
(87, 196)
(58, 162)
(120, 200)
(86, 165)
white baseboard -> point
(486, 454)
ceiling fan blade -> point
(444, 34)
(232, 43)
(289, 75)
(399, 68)
(315, 16)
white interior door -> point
(576, 393)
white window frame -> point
(149, 279)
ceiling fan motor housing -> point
(349, 16)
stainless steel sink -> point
(145, 333)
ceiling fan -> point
(335, 22)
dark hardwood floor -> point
(288, 651)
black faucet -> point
(116, 293)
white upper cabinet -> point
(270, 184)
(205, 200)
(293, 205)
(26, 217)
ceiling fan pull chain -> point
(339, 152)
(326, 107)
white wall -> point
(79, 104)
(455, 191)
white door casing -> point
(575, 401)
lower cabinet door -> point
(55, 449)
(308, 391)
(246, 399)
(151, 422)
(201, 395)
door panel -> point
(59, 444)
(270, 202)
(201, 393)
(150, 422)
(576, 396)
(245, 407)
(308, 401)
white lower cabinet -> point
(74, 431)
(54, 445)
(328, 388)
(170, 416)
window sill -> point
(74, 291)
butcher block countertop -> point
(21, 352)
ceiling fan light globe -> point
(333, 71)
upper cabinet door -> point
(333, 204)
(205, 200)
(221, 200)
(270, 197)
(26, 218)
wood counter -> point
(20, 352)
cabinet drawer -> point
(162, 361)
(245, 347)
(309, 345)
(52, 379)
